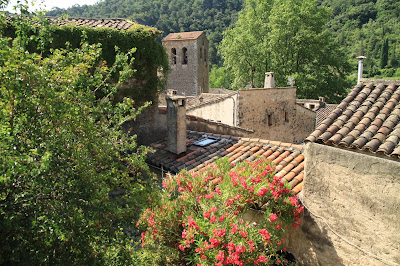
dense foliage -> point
(71, 181)
(369, 27)
(150, 68)
(222, 215)
(286, 37)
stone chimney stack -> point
(360, 67)
(176, 123)
(269, 80)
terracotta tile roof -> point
(117, 23)
(367, 119)
(287, 157)
(112, 23)
(191, 35)
(324, 112)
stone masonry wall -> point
(358, 195)
(304, 123)
(150, 126)
(189, 79)
(271, 113)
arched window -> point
(173, 56)
(185, 56)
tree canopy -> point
(288, 38)
(64, 154)
(212, 16)
(357, 26)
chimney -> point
(360, 67)
(176, 123)
(269, 80)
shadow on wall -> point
(150, 126)
(311, 245)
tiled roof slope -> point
(324, 112)
(288, 158)
(367, 119)
(112, 23)
(117, 23)
(191, 35)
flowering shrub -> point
(203, 217)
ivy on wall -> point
(150, 64)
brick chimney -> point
(269, 80)
(176, 123)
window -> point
(312, 106)
(173, 55)
(185, 57)
(286, 117)
(269, 120)
(201, 52)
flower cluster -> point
(223, 215)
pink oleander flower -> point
(212, 209)
(206, 214)
(213, 219)
(265, 234)
(221, 256)
(262, 259)
(219, 232)
(244, 234)
(273, 217)
(234, 229)
(215, 242)
(262, 191)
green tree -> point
(288, 38)
(220, 78)
(243, 47)
(384, 53)
(64, 157)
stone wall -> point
(271, 113)
(190, 79)
(358, 195)
(304, 123)
(150, 126)
(222, 109)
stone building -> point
(188, 60)
(271, 112)
(352, 182)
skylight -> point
(206, 141)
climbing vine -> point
(150, 64)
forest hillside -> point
(370, 27)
